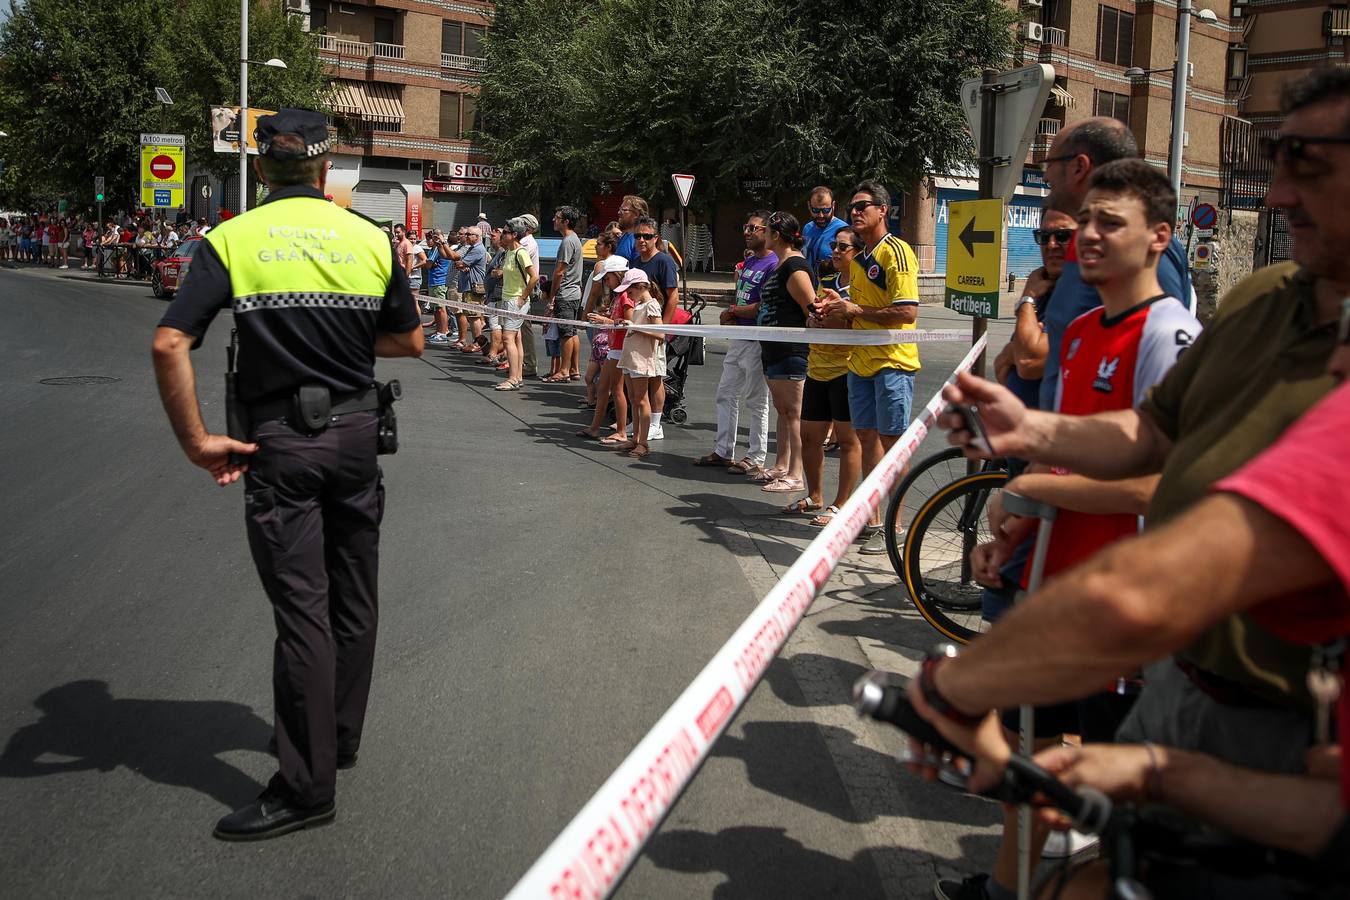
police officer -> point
(316, 296)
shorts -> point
(825, 401)
(567, 309)
(471, 297)
(614, 354)
(553, 348)
(789, 368)
(881, 402)
(512, 315)
(439, 291)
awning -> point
(1062, 97)
(372, 101)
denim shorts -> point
(553, 348)
(881, 402)
(789, 368)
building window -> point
(1336, 25)
(1107, 103)
(1115, 36)
(1236, 65)
(318, 16)
(450, 109)
(452, 37)
(470, 114)
(473, 40)
(384, 31)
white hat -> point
(612, 263)
(630, 278)
(531, 221)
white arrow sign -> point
(684, 186)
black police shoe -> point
(272, 816)
(344, 760)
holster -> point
(313, 407)
(386, 441)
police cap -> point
(306, 124)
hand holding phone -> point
(970, 418)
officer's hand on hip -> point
(212, 453)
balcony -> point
(1054, 37)
(388, 51)
(456, 61)
(1047, 128)
(330, 44)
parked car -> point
(167, 274)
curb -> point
(95, 279)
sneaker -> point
(63, 267)
(971, 888)
(875, 543)
(439, 338)
(655, 433)
(1063, 844)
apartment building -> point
(405, 76)
(1093, 45)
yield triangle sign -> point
(684, 186)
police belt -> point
(364, 400)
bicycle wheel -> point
(925, 479)
(937, 554)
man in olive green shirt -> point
(1238, 692)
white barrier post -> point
(589, 858)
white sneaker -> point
(655, 433)
(1062, 844)
(64, 267)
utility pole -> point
(243, 105)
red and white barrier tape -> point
(591, 855)
(870, 337)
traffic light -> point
(98, 188)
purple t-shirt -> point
(751, 280)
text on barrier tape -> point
(869, 337)
(589, 858)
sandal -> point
(614, 439)
(583, 433)
(826, 517)
(573, 377)
(765, 476)
(624, 446)
(639, 452)
(712, 459)
(831, 446)
(585, 404)
(508, 385)
(504, 367)
(744, 467)
(801, 506)
(783, 485)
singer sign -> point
(465, 177)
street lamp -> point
(243, 100)
(1179, 87)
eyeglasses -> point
(842, 247)
(820, 210)
(1294, 148)
(861, 205)
(1042, 236)
(751, 229)
(638, 235)
(1063, 158)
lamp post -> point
(1179, 84)
(243, 100)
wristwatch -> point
(928, 685)
(1022, 301)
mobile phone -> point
(970, 418)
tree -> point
(77, 86)
(723, 89)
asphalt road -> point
(543, 601)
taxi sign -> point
(974, 256)
(163, 180)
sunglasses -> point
(1042, 236)
(843, 247)
(1294, 148)
(861, 205)
(820, 210)
(751, 229)
(638, 235)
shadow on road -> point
(173, 742)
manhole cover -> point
(80, 379)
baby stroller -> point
(682, 351)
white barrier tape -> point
(591, 855)
(871, 337)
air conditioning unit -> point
(1185, 139)
(1032, 4)
(442, 169)
(1033, 31)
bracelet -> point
(931, 696)
(1152, 784)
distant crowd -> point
(125, 244)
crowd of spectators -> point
(124, 245)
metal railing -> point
(1055, 37)
(389, 51)
(1048, 127)
(330, 44)
(459, 61)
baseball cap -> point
(309, 126)
(612, 263)
(630, 278)
(531, 221)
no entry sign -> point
(163, 166)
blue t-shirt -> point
(818, 240)
(627, 248)
(662, 271)
(475, 258)
(440, 269)
(1072, 297)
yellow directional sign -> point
(974, 256)
(163, 179)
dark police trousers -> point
(313, 505)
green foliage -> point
(77, 81)
(724, 89)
